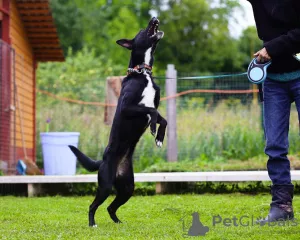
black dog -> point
(136, 110)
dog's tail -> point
(88, 163)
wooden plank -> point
(26, 116)
(29, 144)
(27, 112)
(47, 45)
(26, 130)
(34, 4)
(48, 179)
(53, 59)
(29, 25)
(23, 80)
(29, 103)
(48, 51)
(24, 72)
(28, 134)
(26, 108)
(25, 89)
(34, 11)
(25, 61)
(41, 30)
(42, 35)
(44, 18)
(28, 124)
(24, 85)
(48, 55)
(232, 176)
(44, 41)
(23, 55)
(47, 48)
(18, 34)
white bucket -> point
(58, 158)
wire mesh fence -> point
(218, 118)
(7, 109)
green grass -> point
(155, 217)
(255, 163)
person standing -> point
(278, 26)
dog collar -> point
(140, 69)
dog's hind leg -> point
(105, 183)
(124, 185)
(101, 196)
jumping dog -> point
(136, 110)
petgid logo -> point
(196, 228)
(246, 221)
(192, 225)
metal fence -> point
(217, 118)
(7, 109)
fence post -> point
(171, 89)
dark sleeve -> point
(284, 44)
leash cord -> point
(205, 77)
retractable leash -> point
(257, 74)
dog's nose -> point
(155, 20)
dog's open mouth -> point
(153, 29)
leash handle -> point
(257, 72)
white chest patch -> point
(148, 56)
(148, 93)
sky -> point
(244, 19)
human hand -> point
(262, 55)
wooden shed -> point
(28, 36)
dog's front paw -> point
(158, 143)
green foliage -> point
(249, 43)
(197, 36)
(67, 18)
(82, 76)
(205, 136)
(218, 164)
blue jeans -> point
(278, 97)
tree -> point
(68, 21)
(197, 37)
(249, 43)
(82, 76)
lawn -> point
(150, 217)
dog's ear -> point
(126, 43)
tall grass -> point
(227, 131)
